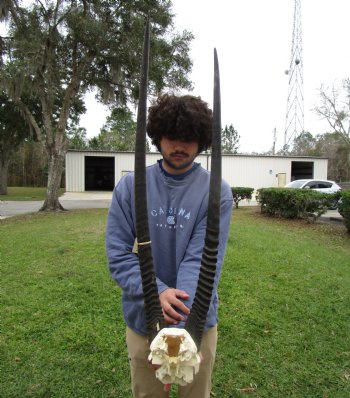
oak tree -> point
(55, 51)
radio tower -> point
(295, 101)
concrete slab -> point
(13, 208)
(91, 195)
(332, 215)
(69, 200)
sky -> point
(253, 39)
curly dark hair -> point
(185, 118)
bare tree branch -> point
(335, 108)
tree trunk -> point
(4, 166)
(55, 167)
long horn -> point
(154, 316)
(196, 320)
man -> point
(177, 197)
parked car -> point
(324, 186)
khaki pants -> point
(143, 378)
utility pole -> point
(294, 125)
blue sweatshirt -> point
(177, 216)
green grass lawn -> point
(26, 193)
(284, 327)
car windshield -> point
(296, 184)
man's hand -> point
(170, 303)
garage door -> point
(99, 173)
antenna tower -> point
(295, 101)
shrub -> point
(344, 208)
(330, 200)
(293, 202)
(240, 193)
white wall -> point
(262, 171)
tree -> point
(13, 131)
(304, 145)
(56, 51)
(77, 138)
(332, 146)
(241, 193)
(118, 133)
(229, 139)
(28, 165)
(335, 108)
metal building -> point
(101, 171)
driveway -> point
(69, 200)
(331, 216)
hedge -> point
(344, 208)
(293, 202)
(240, 193)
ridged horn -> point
(153, 311)
(196, 320)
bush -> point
(331, 200)
(240, 193)
(344, 208)
(293, 202)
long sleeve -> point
(188, 274)
(120, 238)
